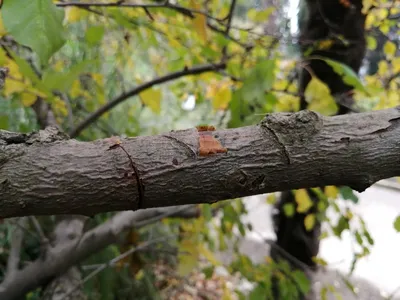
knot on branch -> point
(48, 135)
(293, 127)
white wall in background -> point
(379, 206)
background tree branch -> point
(75, 248)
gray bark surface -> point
(45, 173)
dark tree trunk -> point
(324, 19)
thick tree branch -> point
(137, 90)
(43, 174)
(74, 249)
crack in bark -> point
(279, 142)
(193, 153)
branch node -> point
(294, 128)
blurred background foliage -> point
(76, 58)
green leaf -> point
(207, 212)
(348, 194)
(302, 281)
(258, 293)
(396, 224)
(349, 285)
(94, 35)
(36, 24)
(252, 98)
(358, 238)
(289, 209)
(208, 271)
(63, 81)
(348, 75)
(341, 226)
(3, 122)
(369, 237)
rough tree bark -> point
(323, 21)
(42, 173)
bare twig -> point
(36, 224)
(166, 5)
(229, 18)
(118, 258)
(68, 253)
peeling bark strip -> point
(45, 173)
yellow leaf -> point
(319, 97)
(13, 86)
(320, 261)
(385, 28)
(287, 102)
(222, 97)
(257, 15)
(98, 78)
(389, 49)
(76, 88)
(371, 42)
(382, 13)
(14, 82)
(208, 255)
(59, 65)
(367, 4)
(349, 215)
(396, 64)
(73, 14)
(28, 99)
(370, 20)
(271, 199)
(268, 260)
(303, 200)
(227, 294)
(393, 98)
(383, 68)
(331, 191)
(59, 106)
(152, 99)
(309, 222)
(188, 257)
(325, 44)
(199, 21)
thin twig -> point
(164, 215)
(229, 18)
(39, 230)
(135, 91)
(116, 259)
(181, 9)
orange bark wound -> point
(208, 144)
